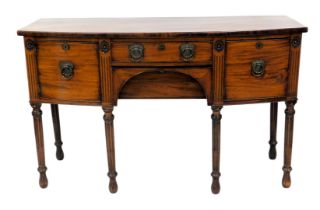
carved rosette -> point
(295, 42)
(30, 44)
(104, 46)
(219, 45)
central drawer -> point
(137, 52)
(162, 82)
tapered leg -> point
(108, 119)
(273, 130)
(38, 130)
(288, 136)
(57, 131)
(216, 118)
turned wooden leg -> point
(38, 130)
(57, 131)
(273, 130)
(288, 136)
(108, 121)
(216, 118)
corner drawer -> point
(256, 69)
(68, 71)
(161, 52)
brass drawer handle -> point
(187, 51)
(66, 69)
(258, 68)
(136, 52)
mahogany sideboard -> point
(225, 60)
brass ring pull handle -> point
(66, 69)
(187, 51)
(136, 52)
(258, 68)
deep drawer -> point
(256, 69)
(68, 71)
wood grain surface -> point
(163, 27)
(83, 86)
(240, 84)
(220, 66)
(162, 83)
(170, 53)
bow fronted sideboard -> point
(225, 60)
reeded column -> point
(216, 118)
(38, 130)
(108, 121)
(288, 137)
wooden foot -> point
(113, 186)
(216, 118)
(288, 137)
(57, 131)
(43, 181)
(108, 121)
(286, 179)
(38, 130)
(215, 186)
(273, 130)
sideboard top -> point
(163, 26)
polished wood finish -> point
(241, 84)
(38, 130)
(107, 106)
(153, 84)
(216, 118)
(106, 76)
(153, 53)
(288, 137)
(273, 130)
(163, 27)
(57, 131)
(83, 86)
(188, 82)
(108, 122)
(32, 68)
(233, 60)
(218, 80)
(293, 70)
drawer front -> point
(162, 82)
(162, 52)
(256, 69)
(68, 71)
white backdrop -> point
(163, 147)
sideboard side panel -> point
(32, 67)
(294, 62)
(218, 71)
(106, 73)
